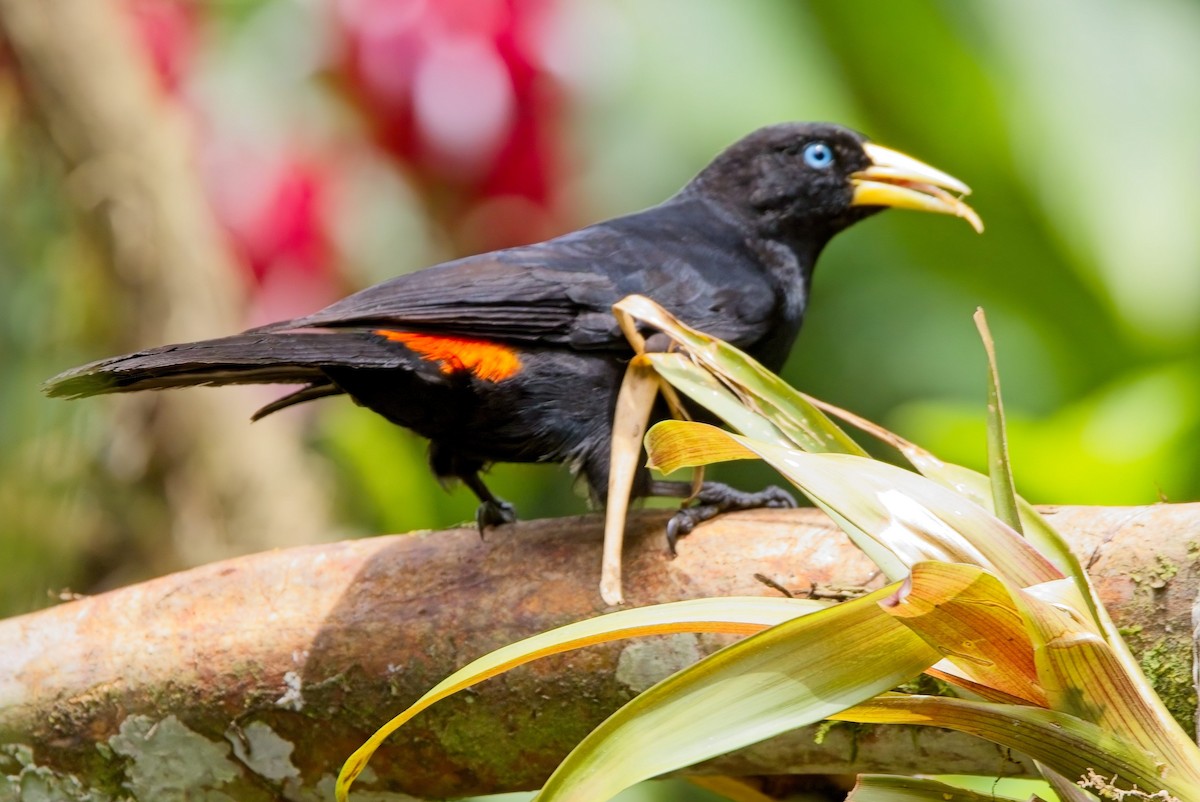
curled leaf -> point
(740, 615)
(788, 676)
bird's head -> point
(808, 181)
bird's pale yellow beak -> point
(900, 181)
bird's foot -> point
(715, 498)
(494, 512)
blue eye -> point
(818, 155)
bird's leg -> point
(491, 511)
(447, 464)
(713, 499)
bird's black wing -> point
(562, 291)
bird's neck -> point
(786, 253)
(805, 239)
(806, 242)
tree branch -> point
(257, 676)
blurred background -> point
(330, 144)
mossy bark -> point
(255, 677)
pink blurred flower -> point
(275, 208)
(271, 208)
(169, 32)
(455, 89)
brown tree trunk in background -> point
(131, 161)
(258, 676)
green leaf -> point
(738, 615)
(975, 486)
(788, 410)
(1068, 745)
(1035, 528)
(1003, 494)
(888, 507)
(1083, 676)
(788, 676)
(702, 387)
(892, 788)
(682, 444)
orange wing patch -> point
(486, 360)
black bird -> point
(514, 355)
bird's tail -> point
(287, 357)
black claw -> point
(683, 522)
(714, 499)
(777, 497)
(494, 513)
(679, 525)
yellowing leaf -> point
(788, 410)
(683, 444)
(788, 676)
(635, 400)
(1083, 676)
(888, 508)
(974, 486)
(1068, 745)
(968, 615)
(673, 445)
(702, 387)
(738, 615)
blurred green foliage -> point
(1075, 122)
